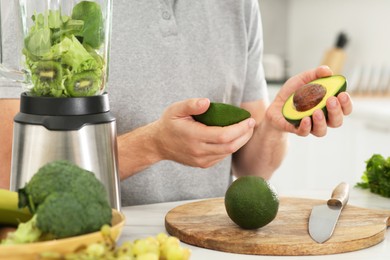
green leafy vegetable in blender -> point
(65, 201)
(376, 177)
(91, 14)
(58, 48)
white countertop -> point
(148, 220)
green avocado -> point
(221, 114)
(331, 85)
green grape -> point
(174, 253)
(124, 257)
(126, 249)
(152, 240)
(159, 247)
(187, 253)
(177, 253)
(95, 250)
(168, 243)
(173, 241)
(106, 230)
(108, 240)
(148, 256)
(161, 237)
(143, 246)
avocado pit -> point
(308, 96)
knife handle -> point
(340, 195)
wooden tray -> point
(206, 224)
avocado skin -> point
(221, 114)
(297, 122)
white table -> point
(148, 220)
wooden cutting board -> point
(206, 224)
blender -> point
(64, 107)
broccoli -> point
(376, 177)
(26, 233)
(65, 201)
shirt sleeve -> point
(255, 83)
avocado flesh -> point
(221, 114)
(333, 85)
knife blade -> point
(323, 218)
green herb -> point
(376, 177)
(58, 47)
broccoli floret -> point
(60, 176)
(376, 177)
(65, 201)
(64, 215)
(26, 233)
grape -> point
(144, 246)
(160, 247)
(148, 256)
(161, 237)
(106, 230)
(171, 250)
(126, 249)
(176, 253)
(173, 241)
(95, 250)
(124, 257)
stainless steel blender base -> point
(93, 147)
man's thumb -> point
(194, 106)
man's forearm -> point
(8, 108)
(136, 151)
(263, 154)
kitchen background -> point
(297, 33)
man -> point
(168, 60)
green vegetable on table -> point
(65, 201)
(376, 177)
(59, 48)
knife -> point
(323, 218)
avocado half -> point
(333, 86)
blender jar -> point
(66, 47)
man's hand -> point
(337, 107)
(180, 138)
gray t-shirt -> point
(165, 51)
